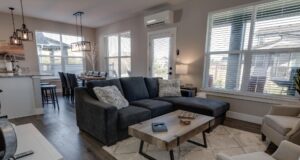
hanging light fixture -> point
(14, 39)
(82, 45)
(23, 32)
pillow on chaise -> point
(111, 95)
(169, 88)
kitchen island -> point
(21, 95)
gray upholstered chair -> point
(282, 123)
(286, 151)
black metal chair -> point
(73, 84)
(49, 95)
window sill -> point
(273, 99)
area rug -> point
(222, 139)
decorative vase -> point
(8, 139)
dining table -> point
(86, 78)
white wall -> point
(138, 43)
(35, 24)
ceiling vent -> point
(164, 17)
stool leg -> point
(46, 94)
(43, 98)
(56, 99)
(52, 97)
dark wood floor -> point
(60, 128)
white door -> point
(162, 48)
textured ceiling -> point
(97, 12)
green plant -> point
(297, 80)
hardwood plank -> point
(60, 129)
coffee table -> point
(177, 134)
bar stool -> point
(0, 101)
(49, 94)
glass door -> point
(162, 52)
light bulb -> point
(24, 36)
(15, 41)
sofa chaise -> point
(109, 125)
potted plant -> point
(297, 80)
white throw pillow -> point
(111, 95)
(169, 88)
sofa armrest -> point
(97, 118)
(187, 93)
(285, 110)
(287, 151)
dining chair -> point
(73, 84)
(64, 84)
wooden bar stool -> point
(49, 95)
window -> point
(254, 48)
(118, 55)
(54, 51)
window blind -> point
(229, 29)
(277, 25)
(268, 64)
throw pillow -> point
(169, 88)
(111, 95)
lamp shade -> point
(181, 69)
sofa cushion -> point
(103, 83)
(253, 156)
(131, 115)
(198, 105)
(282, 124)
(156, 107)
(152, 86)
(169, 88)
(111, 95)
(134, 88)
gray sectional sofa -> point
(109, 125)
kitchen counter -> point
(21, 95)
(12, 75)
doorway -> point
(161, 49)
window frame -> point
(243, 52)
(64, 57)
(119, 56)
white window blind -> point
(118, 55)
(254, 48)
(55, 55)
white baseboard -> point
(244, 117)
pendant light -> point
(80, 46)
(23, 32)
(14, 39)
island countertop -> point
(21, 95)
(15, 75)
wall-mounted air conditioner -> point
(164, 17)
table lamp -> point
(181, 69)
